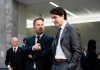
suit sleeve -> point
(7, 59)
(75, 47)
(28, 46)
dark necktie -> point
(38, 39)
(57, 36)
(14, 50)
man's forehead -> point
(15, 39)
(53, 15)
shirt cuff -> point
(8, 66)
(32, 47)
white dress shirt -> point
(59, 52)
(15, 48)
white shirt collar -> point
(40, 35)
(15, 47)
(63, 25)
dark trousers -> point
(29, 65)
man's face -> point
(14, 42)
(39, 27)
(57, 20)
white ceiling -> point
(78, 7)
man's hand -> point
(9, 67)
(30, 56)
(37, 46)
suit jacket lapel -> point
(12, 50)
(32, 41)
(63, 33)
(43, 38)
(18, 50)
(62, 36)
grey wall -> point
(22, 15)
(90, 31)
(2, 31)
(12, 23)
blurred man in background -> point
(15, 56)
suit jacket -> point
(23, 46)
(84, 61)
(43, 57)
(15, 60)
(92, 60)
(71, 45)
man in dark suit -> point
(84, 61)
(67, 44)
(15, 56)
(40, 58)
(92, 55)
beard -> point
(40, 31)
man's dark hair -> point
(91, 45)
(59, 11)
(37, 19)
(24, 39)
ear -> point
(63, 16)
